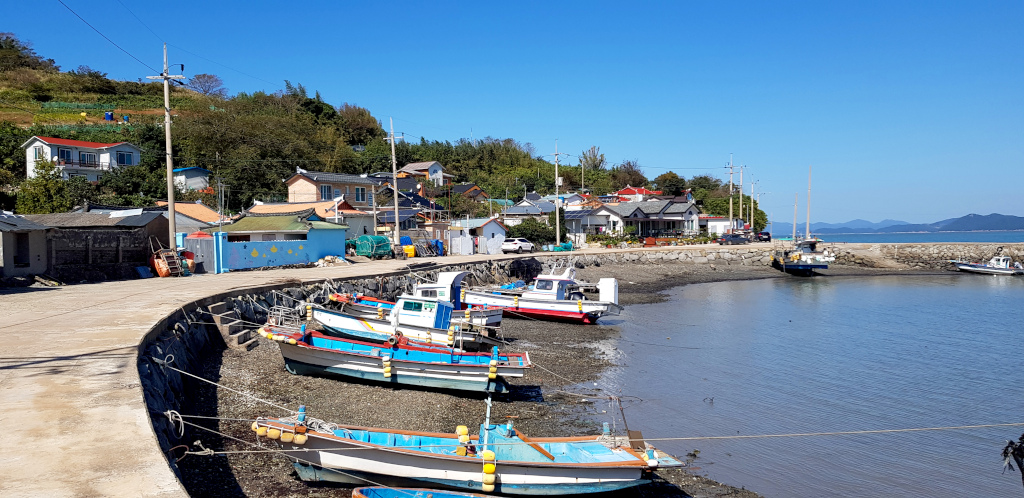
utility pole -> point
(741, 194)
(167, 132)
(394, 178)
(731, 223)
(558, 202)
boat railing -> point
(284, 316)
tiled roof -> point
(195, 210)
(77, 143)
(637, 190)
(389, 216)
(318, 176)
(323, 209)
(418, 167)
(277, 223)
(85, 220)
(475, 222)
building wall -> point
(37, 259)
(718, 227)
(303, 190)
(244, 255)
(194, 180)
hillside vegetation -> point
(254, 141)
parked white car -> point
(516, 245)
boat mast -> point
(796, 202)
(808, 202)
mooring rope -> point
(169, 358)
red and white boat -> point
(551, 297)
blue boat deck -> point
(435, 355)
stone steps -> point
(235, 332)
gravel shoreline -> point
(547, 402)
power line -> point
(105, 36)
(158, 37)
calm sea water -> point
(799, 355)
(891, 238)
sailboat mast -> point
(808, 202)
(796, 202)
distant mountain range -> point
(969, 223)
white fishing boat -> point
(499, 459)
(380, 329)
(804, 258)
(361, 305)
(551, 297)
(999, 265)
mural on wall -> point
(257, 254)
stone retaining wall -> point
(923, 256)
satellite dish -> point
(419, 186)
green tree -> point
(670, 183)
(12, 156)
(44, 193)
(626, 174)
(705, 182)
(533, 230)
(16, 54)
(208, 84)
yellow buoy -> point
(494, 363)
(292, 342)
(487, 455)
(460, 450)
(492, 369)
(387, 370)
(487, 488)
(300, 439)
(286, 437)
(462, 430)
(255, 426)
(464, 438)
(262, 431)
(492, 376)
(489, 468)
(274, 433)
(489, 479)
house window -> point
(37, 152)
(325, 192)
(360, 194)
(88, 158)
(124, 159)
(65, 156)
(337, 192)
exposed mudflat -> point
(557, 398)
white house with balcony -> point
(90, 160)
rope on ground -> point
(166, 362)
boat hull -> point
(379, 330)
(399, 376)
(987, 270)
(580, 311)
(560, 487)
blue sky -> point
(906, 110)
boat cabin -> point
(447, 288)
(550, 288)
(1000, 262)
(424, 312)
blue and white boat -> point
(499, 459)
(441, 332)
(804, 259)
(396, 362)
(416, 314)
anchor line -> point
(169, 358)
(208, 452)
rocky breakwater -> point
(934, 256)
(714, 255)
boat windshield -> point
(544, 285)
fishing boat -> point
(396, 361)
(803, 259)
(379, 328)
(552, 297)
(999, 265)
(411, 313)
(498, 459)
(386, 492)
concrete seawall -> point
(82, 384)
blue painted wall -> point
(243, 255)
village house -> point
(636, 194)
(470, 191)
(426, 171)
(77, 158)
(265, 240)
(23, 246)
(193, 178)
(314, 186)
(650, 218)
(537, 210)
(488, 228)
